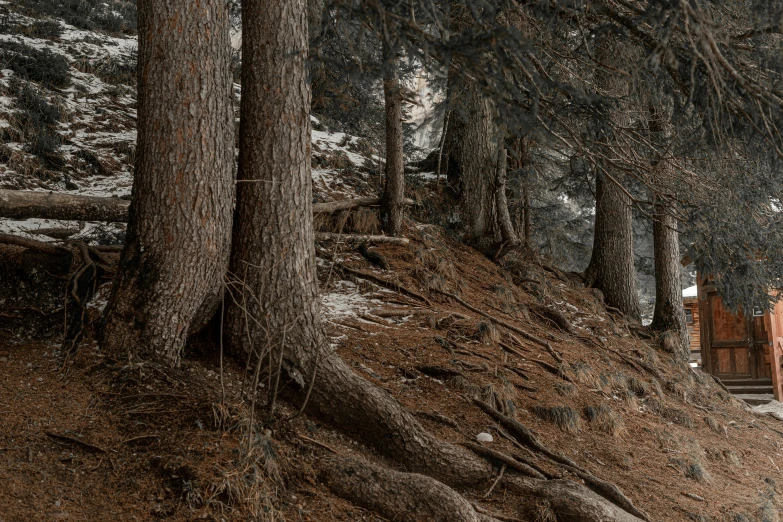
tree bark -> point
(24, 204)
(669, 313)
(472, 155)
(507, 232)
(398, 496)
(171, 269)
(393, 205)
(611, 267)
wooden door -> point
(730, 342)
(762, 345)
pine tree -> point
(176, 251)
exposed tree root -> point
(570, 501)
(355, 405)
(607, 490)
(383, 282)
(502, 323)
(398, 496)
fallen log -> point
(330, 207)
(364, 238)
(24, 204)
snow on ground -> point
(338, 142)
(773, 408)
(98, 131)
(345, 301)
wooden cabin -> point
(690, 301)
(743, 352)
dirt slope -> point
(161, 444)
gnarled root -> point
(570, 501)
(398, 496)
(357, 406)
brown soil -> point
(97, 439)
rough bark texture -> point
(176, 252)
(273, 255)
(23, 204)
(393, 205)
(398, 496)
(669, 314)
(572, 502)
(507, 232)
(472, 155)
(669, 311)
(611, 267)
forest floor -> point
(89, 438)
(97, 439)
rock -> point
(484, 437)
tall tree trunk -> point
(393, 201)
(273, 255)
(669, 313)
(472, 155)
(176, 252)
(611, 267)
(504, 218)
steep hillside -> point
(96, 439)
(459, 339)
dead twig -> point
(74, 440)
(318, 443)
(495, 483)
(504, 459)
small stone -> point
(484, 437)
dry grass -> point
(248, 487)
(541, 511)
(583, 372)
(691, 468)
(566, 389)
(356, 221)
(487, 333)
(564, 417)
(605, 419)
(505, 296)
(714, 425)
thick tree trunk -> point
(393, 205)
(176, 252)
(472, 154)
(507, 232)
(611, 267)
(669, 314)
(273, 255)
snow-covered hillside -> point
(68, 120)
